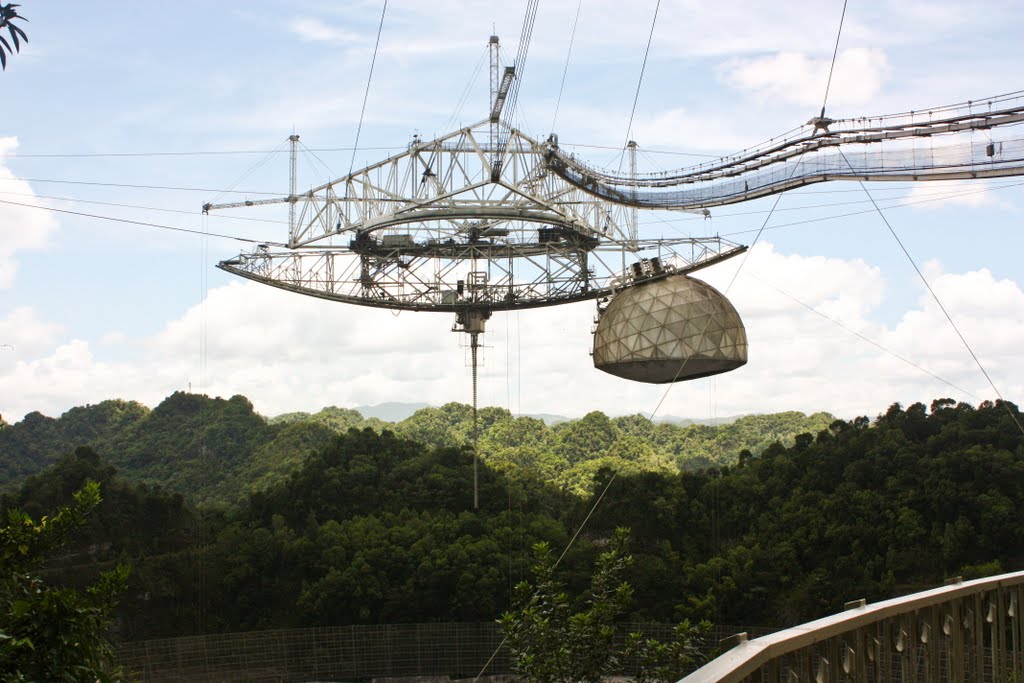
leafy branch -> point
(8, 14)
(549, 643)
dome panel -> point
(669, 330)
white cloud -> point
(680, 128)
(24, 331)
(315, 30)
(289, 352)
(800, 79)
(970, 194)
(21, 227)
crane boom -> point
(207, 208)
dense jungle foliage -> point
(217, 451)
(376, 525)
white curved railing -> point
(963, 631)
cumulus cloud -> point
(969, 194)
(289, 352)
(315, 30)
(797, 78)
(22, 227)
(23, 330)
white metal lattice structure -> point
(433, 228)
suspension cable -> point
(938, 302)
(640, 81)
(141, 223)
(565, 70)
(862, 337)
(835, 52)
(366, 94)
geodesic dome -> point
(669, 330)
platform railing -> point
(963, 631)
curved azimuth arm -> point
(932, 144)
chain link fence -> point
(344, 653)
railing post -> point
(1013, 611)
(979, 634)
(955, 642)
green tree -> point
(52, 633)
(549, 642)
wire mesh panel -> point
(338, 653)
(347, 653)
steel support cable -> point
(137, 186)
(761, 230)
(464, 97)
(252, 169)
(640, 81)
(565, 70)
(746, 255)
(607, 486)
(871, 210)
(649, 151)
(104, 155)
(312, 153)
(927, 198)
(523, 49)
(942, 307)
(519, 66)
(386, 148)
(76, 200)
(862, 337)
(366, 94)
(145, 224)
(707, 323)
(835, 52)
(579, 529)
(615, 473)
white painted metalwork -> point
(895, 147)
(965, 631)
(409, 231)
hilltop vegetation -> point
(378, 528)
(216, 451)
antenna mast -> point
(634, 213)
(293, 141)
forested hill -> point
(217, 451)
(375, 528)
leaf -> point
(14, 36)
(3, 60)
(20, 608)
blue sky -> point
(97, 309)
